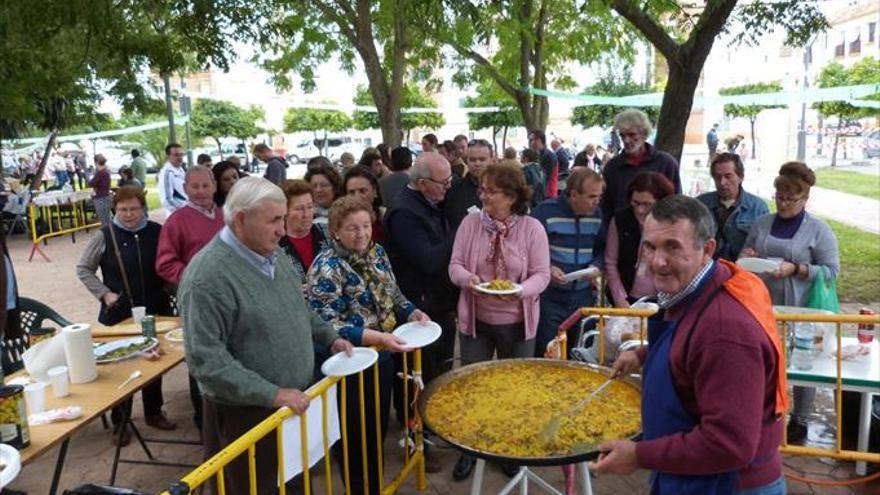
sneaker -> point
(463, 467)
(797, 431)
(160, 421)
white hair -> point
(633, 118)
(247, 194)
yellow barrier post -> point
(378, 422)
(304, 445)
(328, 473)
(279, 445)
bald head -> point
(431, 175)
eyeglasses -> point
(788, 200)
(445, 182)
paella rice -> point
(500, 284)
(501, 409)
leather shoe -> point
(160, 421)
(510, 469)
(463, 467)
(797, 431)
(126, 436)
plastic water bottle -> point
(802, 355)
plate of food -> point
(10, 464)
(175, 335)
(119, 350)
(341, 364)
(499, 287)
(418, 334)
(758, 265)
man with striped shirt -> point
(574, 225)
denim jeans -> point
(556, 306)
(773, 488)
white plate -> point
(108, 347)
(175, 335)
(341, 365)
(758, 265)
(417, 334)
(590, 272)
(486, 290)
(12, 460)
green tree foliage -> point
(316, 119)
(380, 33)
(684, 36)
(750, 111)
(611, 83)
(505, 117)
(412, 97)
(217, 119)
(153, 140)
(866, 71)
(516, 44)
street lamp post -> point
(185, 108)
(802, 129)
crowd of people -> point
(272, 275)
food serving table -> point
(95, 398)
(860, 375)
(579, 456)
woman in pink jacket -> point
(500, 242)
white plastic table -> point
(861, 376)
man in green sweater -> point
(249, 334)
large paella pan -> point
(496, 410)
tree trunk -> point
(326, 145)
(169, 108)
(495, 141)
(676, 109)
(320, 148)
(752, 124)
(504, 138)
(38, 178)
(219, 147)
(836, 142)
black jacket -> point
(463, 194)
(419, 242)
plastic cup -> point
(60, 381)
(138, 313)
(35, 397)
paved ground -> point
(90, 453)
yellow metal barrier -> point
(213, 467)
(51, 214)
(783, 321)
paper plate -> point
(341, 365)
(484, 288)
(417, 334)
(579, 274)
(137, 344)
(175, 335)
(758, 265)
(11, 461)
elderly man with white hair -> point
(249, 334)
(638, 156)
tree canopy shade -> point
(610, 84)
(685, 37)
(217, 119)
(750, 111)
(517, 44)
(507, 115)
(381, 33)
(316, 119)
(412, 97)
(865, 71)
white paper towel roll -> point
(43, 355)
(80, 355)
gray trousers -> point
(508, 340)
(102, 209)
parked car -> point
(872, 144)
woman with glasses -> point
(125, 251)
(303, 240)
(362, 184)
(807, 248)
(501, 242)
(326, 187)
(625, 270)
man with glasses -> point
(171, 178)
(733, 209)
(638, 155)
(419, 241)
(464, 193)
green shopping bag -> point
(823, 292)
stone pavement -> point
(90, 454)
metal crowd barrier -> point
(414, 460)
(783, 321)
(50, 209)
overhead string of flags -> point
(850, 94)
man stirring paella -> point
(713, 391)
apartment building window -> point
(872, 32)
(840, 48)
(855, 46)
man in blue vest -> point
(573, 223)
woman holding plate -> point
(807, 248)
(352, 287)
(125, 251)
(499, 243)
